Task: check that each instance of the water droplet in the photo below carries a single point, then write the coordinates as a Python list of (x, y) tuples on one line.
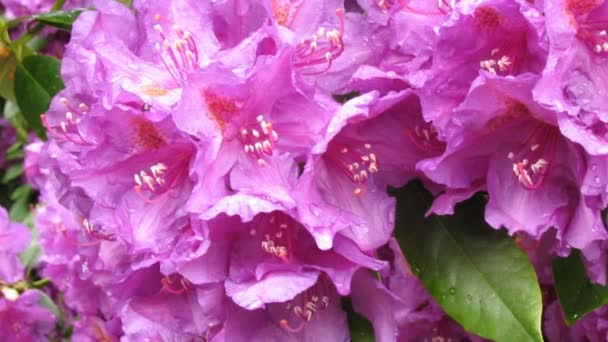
[(452, 290), (596, 179), (593, 167), (574, 316), (416, 270), (443, 297), (469, 297)]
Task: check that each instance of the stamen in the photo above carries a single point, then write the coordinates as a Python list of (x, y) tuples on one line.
[(594, 35), (280, 229), (64, 232), (532, 162), (425, 137), (321, 49), (177, 285), (497, 64), (357, 162), (307, 303), (152, 181), (68, 129), (179, 55), (259, 143)]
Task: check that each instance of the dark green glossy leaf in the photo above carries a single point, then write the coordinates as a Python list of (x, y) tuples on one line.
[(577, 295), (37, 80), (59, 19), (478, 275)]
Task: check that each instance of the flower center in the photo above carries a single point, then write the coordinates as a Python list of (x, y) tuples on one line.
[(532, 162), (153, 184), (175, 284), (279, 229), (321, 49), (595, 36), (425, 138), (179, 54), (259, 142), (357, 161), (302, 308), (498, 63), (68, 129), (99, 234), (285, 10)]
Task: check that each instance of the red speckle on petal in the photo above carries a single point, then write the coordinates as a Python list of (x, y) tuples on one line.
[(147, 137), (580, 7), (220, 108), (487, 17)]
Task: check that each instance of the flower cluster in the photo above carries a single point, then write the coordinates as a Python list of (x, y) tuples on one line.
[(218, 169)]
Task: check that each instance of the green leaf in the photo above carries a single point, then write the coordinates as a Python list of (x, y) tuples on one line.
[(48, 303), (361, 330), (12, 173), (478, 275), (60, 19), (37, 80), (7, 75), (577, 295), (20, 209), (29, 257)]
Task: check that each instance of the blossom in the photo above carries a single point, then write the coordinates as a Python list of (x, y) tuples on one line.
[(572, 82), (22, 317), (273, 258), (313, 314), (373, 141), (532, 173), (501, 38), (248, 135)]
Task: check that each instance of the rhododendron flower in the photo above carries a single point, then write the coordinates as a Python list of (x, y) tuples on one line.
[(249, 141), (273, 258), (533, 174), (373, 141), (573, 80), (22, 318), (313, 314), (496, 37)]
